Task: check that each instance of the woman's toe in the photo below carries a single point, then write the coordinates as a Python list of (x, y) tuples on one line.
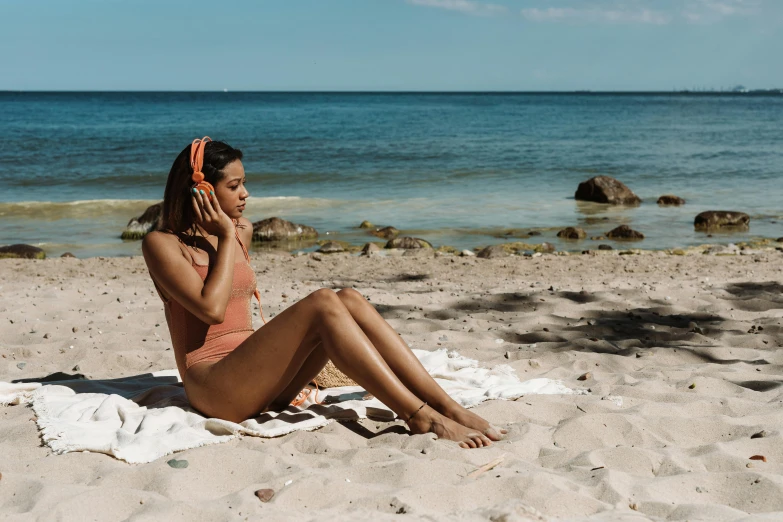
[(495, 433)]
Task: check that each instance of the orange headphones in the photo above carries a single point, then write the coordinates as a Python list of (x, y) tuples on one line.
[(197, 163)]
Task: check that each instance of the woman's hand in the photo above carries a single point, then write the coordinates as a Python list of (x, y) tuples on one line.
[(210, 216)]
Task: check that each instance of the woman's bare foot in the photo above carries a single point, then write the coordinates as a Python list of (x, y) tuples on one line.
[(470, 420), (428, 420)]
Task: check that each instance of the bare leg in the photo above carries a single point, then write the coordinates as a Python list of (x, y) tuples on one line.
[(263, 367), (407, 366)]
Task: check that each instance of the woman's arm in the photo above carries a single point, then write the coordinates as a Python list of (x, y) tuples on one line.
[(206, 299)]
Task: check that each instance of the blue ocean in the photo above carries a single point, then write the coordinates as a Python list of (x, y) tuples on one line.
[(453, 168)]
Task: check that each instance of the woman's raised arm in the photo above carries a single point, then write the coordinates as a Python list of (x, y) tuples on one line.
[(206, 299)]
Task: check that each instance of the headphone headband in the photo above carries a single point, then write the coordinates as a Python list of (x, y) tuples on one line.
[(197, 157)]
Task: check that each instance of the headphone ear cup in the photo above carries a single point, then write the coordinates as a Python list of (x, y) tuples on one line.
[(206, 187)]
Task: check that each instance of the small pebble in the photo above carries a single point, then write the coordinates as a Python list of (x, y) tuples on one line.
[(178, 464), (425, 451), (692, 386), (265, 495), (584, 376), (76, 368), (46, 336), (762, 458), (21, 365), (288, 482), (759, 435), (75, 329)]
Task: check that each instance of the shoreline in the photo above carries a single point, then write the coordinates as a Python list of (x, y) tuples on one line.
[(680, 354)]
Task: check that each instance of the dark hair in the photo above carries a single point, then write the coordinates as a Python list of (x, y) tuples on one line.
[(177, 206)]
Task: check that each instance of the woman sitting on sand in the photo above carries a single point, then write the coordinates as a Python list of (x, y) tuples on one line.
[(198, 265)]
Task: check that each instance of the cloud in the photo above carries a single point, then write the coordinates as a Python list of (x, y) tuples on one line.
[(711, 11), (612, 15), (463, 6)]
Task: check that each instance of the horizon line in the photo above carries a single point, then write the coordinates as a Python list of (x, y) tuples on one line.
[(773, 90)]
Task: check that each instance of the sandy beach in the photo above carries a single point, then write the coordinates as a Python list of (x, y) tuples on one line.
[(680, 355)]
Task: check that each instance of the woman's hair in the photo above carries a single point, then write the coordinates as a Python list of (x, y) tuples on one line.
[(177, 215)]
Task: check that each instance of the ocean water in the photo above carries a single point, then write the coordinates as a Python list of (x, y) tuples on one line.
[(455, 169)]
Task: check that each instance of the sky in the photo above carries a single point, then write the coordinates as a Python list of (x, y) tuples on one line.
[(390, 45)]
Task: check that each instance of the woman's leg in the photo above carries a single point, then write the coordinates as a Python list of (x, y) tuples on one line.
[(259, 370), (407, 366)]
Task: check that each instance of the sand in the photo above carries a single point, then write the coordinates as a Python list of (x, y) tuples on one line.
[(681, 355)]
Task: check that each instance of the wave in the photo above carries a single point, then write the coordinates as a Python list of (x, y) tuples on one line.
[(128, 208)]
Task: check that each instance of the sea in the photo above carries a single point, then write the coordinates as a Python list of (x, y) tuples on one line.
[(460, 169)]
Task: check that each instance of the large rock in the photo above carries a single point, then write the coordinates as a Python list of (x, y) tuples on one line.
[(668, 200), (713, 219), (386, 232), (603, 189), (138, 227), (22, 251), (408, 243), (624, 233), (572, 233), (276, 229)]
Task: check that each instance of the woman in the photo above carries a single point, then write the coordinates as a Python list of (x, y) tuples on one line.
[(199, 265)]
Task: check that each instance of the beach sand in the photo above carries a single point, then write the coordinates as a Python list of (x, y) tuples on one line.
[(681, 356)]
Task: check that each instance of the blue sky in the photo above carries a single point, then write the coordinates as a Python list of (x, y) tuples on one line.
[(390, 44)]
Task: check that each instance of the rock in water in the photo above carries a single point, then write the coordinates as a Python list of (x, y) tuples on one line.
[(363, 224), (386, 232), (625, 233), (138, 227), (276, 229), (265, 495), (67, 254), (494, 251), (670, 200), (572, 233), (603, 189), (331, 247), (408, 243), (605, 247), (712, 219), (22, 251)]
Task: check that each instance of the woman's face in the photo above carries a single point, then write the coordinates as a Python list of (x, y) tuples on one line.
[(230, 191)]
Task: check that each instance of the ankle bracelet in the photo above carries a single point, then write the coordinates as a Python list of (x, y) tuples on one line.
[(415, 412)]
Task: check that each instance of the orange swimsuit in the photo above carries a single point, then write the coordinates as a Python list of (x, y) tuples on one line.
[(194, 340)]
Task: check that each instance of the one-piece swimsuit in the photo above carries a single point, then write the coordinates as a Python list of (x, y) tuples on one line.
[(195, 341)]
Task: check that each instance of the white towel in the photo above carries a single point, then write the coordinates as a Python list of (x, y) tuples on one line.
[(141, 418)]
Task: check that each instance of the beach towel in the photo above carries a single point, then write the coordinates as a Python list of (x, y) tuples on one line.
[(144, 417)]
